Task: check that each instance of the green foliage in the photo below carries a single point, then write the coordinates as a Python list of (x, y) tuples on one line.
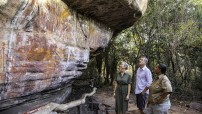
[(170, 33)]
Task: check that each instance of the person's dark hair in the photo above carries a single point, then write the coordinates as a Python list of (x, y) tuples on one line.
[(162, 67)]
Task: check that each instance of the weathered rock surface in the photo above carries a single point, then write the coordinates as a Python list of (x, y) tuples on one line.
[(116, 14), (46, 44), (196, 106)]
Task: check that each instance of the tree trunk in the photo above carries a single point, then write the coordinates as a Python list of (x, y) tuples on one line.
[(99, 61), (107, 65), (113, 68), (133, 79)]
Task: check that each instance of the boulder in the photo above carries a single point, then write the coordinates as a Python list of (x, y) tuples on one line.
[(196, 106)]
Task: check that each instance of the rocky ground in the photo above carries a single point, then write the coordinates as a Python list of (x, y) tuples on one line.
[(104, 96)]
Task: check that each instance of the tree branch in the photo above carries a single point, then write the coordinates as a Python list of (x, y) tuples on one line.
[(47, 109)]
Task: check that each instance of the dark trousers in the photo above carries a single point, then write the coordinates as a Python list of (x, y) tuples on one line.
[(141, 100)]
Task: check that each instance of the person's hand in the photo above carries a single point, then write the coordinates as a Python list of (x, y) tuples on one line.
[(127, 97), (143, 93), (114, 94)]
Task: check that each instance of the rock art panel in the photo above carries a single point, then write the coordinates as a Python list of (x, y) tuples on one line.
[(44, 45)]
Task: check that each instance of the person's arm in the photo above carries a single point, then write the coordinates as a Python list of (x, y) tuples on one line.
[(149, 81), (115, 86), (144, 91), (161, 98), (166, 85), (129, 81), (129, 88)]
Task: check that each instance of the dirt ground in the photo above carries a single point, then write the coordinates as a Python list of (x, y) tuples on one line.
[(104, 95)]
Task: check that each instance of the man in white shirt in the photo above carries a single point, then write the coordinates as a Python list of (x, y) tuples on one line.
[(143, 82)]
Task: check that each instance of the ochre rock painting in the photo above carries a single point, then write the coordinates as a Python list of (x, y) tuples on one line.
[(44, 45)]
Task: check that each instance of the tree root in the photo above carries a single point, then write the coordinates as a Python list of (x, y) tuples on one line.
[(47, 109)]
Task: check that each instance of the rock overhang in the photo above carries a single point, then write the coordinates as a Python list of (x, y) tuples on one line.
[(116, 14)]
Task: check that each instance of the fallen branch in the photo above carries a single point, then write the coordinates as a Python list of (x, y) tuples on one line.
[(47, 109)]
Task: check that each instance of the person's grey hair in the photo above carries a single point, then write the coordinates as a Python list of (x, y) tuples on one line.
[(145, 59), (125, 65)]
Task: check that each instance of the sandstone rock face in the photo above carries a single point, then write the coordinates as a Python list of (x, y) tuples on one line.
[(46, 44)]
